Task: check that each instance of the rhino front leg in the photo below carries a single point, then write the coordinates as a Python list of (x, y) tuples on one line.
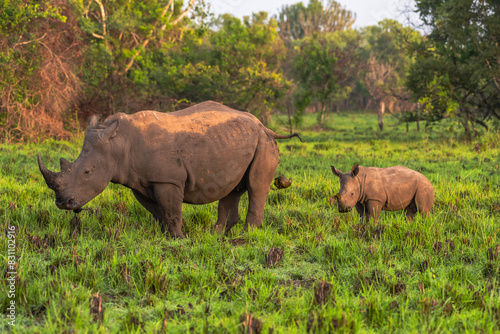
[(372, 210), (151, 206), (169, 198)]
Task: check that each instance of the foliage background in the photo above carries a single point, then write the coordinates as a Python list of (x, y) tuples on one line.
[(63, 60)]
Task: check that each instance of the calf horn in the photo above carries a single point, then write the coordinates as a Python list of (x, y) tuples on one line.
[(49, 176)]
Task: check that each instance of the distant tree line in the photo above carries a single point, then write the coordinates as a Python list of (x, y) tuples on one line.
[(63, 60)]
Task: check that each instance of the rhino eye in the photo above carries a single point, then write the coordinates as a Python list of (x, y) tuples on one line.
[(87, 171)]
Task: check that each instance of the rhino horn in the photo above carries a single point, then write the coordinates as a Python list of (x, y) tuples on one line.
[(65, 165), (49, 176)]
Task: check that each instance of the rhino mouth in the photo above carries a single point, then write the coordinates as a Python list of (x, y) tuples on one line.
[(69, 204), (344, 209)]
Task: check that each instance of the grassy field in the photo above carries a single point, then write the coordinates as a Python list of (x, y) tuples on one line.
[(327, 271)]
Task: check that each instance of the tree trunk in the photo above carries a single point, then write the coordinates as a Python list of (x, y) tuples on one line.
[(380, 114), (289, 109)]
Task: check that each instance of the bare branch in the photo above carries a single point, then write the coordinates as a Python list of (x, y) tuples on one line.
[(28, 42), (97, 35), (184, 13), (103, 16)]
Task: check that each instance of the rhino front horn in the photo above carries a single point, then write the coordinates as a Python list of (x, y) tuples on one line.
[(49, 176)]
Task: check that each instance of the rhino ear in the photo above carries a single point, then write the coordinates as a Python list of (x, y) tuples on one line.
[(355, 170), (336, 172), (110, 131)]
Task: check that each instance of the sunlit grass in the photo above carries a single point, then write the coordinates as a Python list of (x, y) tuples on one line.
[(438, 274)]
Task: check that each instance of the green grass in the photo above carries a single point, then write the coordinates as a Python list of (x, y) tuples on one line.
[(439, 274)]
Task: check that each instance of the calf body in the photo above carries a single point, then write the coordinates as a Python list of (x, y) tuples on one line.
[(371, 190), (198, 155)]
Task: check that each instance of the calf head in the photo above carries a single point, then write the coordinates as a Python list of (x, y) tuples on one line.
[(79, 182), (349, 188)]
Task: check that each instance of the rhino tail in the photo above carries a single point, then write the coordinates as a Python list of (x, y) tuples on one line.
[(277, 136)]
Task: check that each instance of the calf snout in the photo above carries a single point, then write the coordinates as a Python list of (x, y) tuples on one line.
[(342, 207)]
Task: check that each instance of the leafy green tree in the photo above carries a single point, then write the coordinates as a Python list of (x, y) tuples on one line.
[(457, 72), (327, 67), (238, 63), (118, 35), (298, 21)]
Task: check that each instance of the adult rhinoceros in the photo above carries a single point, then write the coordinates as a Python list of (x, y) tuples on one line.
[(198, 155)]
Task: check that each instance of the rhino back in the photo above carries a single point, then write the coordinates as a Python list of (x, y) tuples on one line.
[(394, 186), (206, 148)]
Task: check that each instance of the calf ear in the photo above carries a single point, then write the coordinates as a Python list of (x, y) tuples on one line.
[(355, 170), (93, 121), (336, 172), (110, 131)]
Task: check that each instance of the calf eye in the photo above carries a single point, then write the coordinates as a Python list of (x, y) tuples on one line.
[(352, 194)]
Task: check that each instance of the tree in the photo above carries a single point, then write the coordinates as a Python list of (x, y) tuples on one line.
[(297, 21), (326, 67), (119, 33), (457, 71), (238, 63)]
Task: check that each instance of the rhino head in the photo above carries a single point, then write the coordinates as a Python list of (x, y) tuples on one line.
[(79, 182), (349, 192)]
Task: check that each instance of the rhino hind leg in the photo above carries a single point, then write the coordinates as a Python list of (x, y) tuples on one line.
[(260, 176), (228, 215)]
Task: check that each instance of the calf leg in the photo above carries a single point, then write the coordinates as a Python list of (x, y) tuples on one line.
[(228, 212), (169, 197), (411, 210), (424, 198), (372, 210), (361, 210)]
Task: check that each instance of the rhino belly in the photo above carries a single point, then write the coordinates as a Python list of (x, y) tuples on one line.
[(400, 197), (216, 168)]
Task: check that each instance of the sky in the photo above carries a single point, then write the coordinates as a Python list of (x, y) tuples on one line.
[(368, 12)]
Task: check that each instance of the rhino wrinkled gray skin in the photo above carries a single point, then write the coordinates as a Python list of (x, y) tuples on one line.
[(371, 190), (198, 155)]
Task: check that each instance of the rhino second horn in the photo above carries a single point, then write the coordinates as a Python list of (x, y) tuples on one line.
[(49, 176), (65, 164)]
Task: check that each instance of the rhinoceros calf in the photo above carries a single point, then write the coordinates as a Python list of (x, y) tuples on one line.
[(371, 190), (198, 155)]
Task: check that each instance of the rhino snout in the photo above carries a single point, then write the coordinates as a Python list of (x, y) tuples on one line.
[(69, 204), (344, 209)]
